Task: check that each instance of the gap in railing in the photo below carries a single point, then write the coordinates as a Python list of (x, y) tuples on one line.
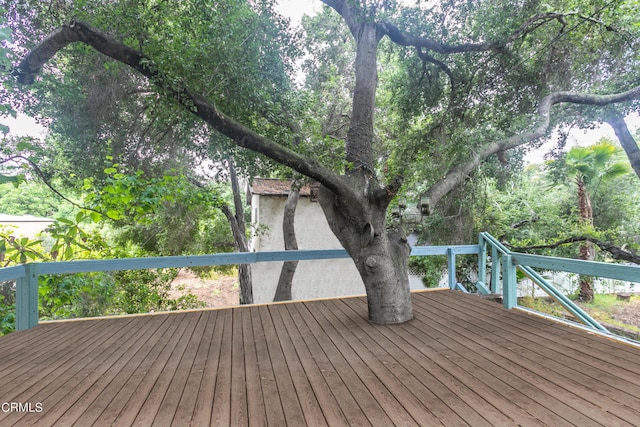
[(7, 306)]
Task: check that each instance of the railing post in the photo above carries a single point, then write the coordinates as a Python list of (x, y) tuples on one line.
[(481, 283), (509, 288), (27, 298), (451, 265), (482, 260), (495, 270)]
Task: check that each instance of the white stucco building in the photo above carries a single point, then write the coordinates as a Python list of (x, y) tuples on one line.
[(313, 279), (25, 225)]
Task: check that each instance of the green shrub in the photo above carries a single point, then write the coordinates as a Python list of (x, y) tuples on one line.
[(76, 295), (7, 316), (145, 291)]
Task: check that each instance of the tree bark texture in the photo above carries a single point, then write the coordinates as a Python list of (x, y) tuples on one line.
[(359, 148), (587, 251), (358, 219), (285, 282), (244, 270), (458, 173), (381, 256)]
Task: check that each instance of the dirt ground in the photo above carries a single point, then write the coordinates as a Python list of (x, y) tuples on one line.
[(629, 313), (221, 291)]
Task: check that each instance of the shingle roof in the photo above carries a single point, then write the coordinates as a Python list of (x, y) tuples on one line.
[(275, 187)]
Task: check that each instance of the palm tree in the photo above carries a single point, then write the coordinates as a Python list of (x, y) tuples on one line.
[(590, 166)]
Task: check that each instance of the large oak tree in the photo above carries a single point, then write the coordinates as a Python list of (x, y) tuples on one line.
[(489, 69)]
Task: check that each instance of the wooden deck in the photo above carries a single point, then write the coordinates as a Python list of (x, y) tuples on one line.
[(461, 361)]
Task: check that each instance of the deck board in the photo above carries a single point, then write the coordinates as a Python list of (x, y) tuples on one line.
[(461, 361), (139, 379), (304, 392), (593, 385), (338, 406), (341, 367), (534, 389)]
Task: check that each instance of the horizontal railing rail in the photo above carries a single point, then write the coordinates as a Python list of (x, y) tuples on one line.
[(12, 273), (26, 275), (503, 271), (630, 273)]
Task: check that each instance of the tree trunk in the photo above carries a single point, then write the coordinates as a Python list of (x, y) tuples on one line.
[(244, 270), (358, 217), (236, 221), (283, 291), (359, 144), (380, 256), (587, 251)]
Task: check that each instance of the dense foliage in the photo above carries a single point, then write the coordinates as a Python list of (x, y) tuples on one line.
[(129, 217)]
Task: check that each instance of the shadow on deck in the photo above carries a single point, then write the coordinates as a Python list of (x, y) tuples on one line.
[(461, 361)]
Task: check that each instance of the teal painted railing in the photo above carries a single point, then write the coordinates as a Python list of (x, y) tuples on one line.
[(26, 275), (502, 278), (505, 262)]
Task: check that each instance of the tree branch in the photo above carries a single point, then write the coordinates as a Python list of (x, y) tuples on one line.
[(46, 182), (425, 57), (244, 137), (407, 39), (456, 175), (629, 144), (615, 251)]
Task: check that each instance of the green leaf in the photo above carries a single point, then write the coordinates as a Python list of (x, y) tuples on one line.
[(95, 216), (6, 34)]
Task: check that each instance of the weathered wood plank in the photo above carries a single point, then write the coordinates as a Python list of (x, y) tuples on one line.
[(273, 405), (288, 396), (561, 355), (398, 381), (169, 405), (203, 400), (329, 407), (187, 402), (255, 400), (50, 356), (380, 382), (127, 403), (348, 403), (165, 372), (456, 387), (239, 405), (460, 361), (51, 381), (106, 394), (221, 402), (409, 371), (306, 397), (535, 376), (508, 392), (91, 404), (83, 380), (324, 333), (569, 339)]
